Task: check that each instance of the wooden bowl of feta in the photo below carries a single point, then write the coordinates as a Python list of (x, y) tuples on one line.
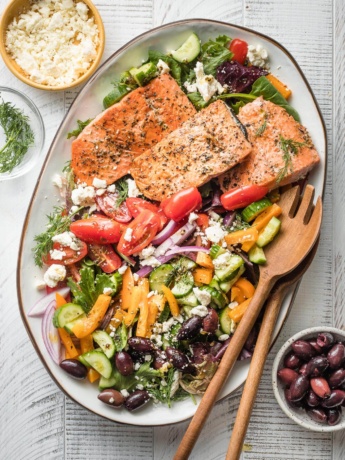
[(52, 45)]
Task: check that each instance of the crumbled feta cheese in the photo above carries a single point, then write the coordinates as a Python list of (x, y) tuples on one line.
[(257, 55), (112, 334), (214, 232), (57, 181), (151, 261), (99, 183), (111, 400), (151, 293), (233, 305), (162, 67), (54, 274), (83, 195), (124, 393), (222, 260), (74, 209), (107, 291), (55, 254), (233, 326), (128, 234), (147, 252), (164, 383), (168, 324), (148, 358), (223, 337), (133, 190), (136, 366), (111, 188), (40, 284), (67, 239), (203, 296), (135, 277), (54, 42), (190, 87), (175, 383), (207, 85), (200, 310), (122, 269), (214, 215), (192, 217), (157, 338), (100, 191), (140, 386), (157, 328)]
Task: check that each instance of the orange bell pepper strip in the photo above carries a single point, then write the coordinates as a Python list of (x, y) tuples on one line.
[(115, 321), (246, 287), (85, 326), (262, 220), (174, 308), (134, 306), (236, 314), (237, 295), (242, 236), (279, 86), (143, 308), (153, 313), (204, 260), (66, 339), (127, 288), (60, 300), (202, 276), (86, 344)]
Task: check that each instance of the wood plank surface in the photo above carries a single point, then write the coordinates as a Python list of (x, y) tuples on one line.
[(36, 420)]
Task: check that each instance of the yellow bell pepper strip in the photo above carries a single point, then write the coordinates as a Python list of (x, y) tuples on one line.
[(153, 313), (237, 295), (204, 260), (174, 308), (242, 236), (66, 339), (60, 300), (85, 326), (236, 314), (247, 246), (115, 321), (127, 288), (262, 220), (202, 276), (279, 86), (134, 306), (86, 344), (246, 287), (143, 308)]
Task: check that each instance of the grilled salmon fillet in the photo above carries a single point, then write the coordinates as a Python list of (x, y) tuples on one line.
[(203, 147), (107, 146), (283, 151)]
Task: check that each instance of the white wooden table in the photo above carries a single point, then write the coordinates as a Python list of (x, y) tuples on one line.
[(36, 420)]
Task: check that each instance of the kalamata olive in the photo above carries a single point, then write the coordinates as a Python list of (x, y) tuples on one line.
[(312, 399), (179, 360), (287, 376), (199, 351), (303, 369), (303, 349), (316, 347), (320, 386), (325, 340), (251, 340), (222, 350), (299, 387), (210, 322), (111, 397), (136, 400), (159, 360), (336, 398), (336, 356), (334, 416), (107, 318), (190, 328), (317, 366), (292, 361), (337, 378), (124, 363), (317, 414), (74, 368), (140, 344), (287, 393)]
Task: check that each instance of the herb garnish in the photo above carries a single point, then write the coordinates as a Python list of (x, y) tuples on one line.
[(58, 222), (261, 129), (122, 189), (289, 147), (81, 126), (18, 133)]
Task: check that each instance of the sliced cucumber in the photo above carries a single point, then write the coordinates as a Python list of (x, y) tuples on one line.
[(107, 383), (116, 278), (189, 300), (183, 285), (184, 262), (162, 275), (66, 313), (257, 255), (69, 326), (217, 297), (225, 286), (164, 314), (230, 270), (189, 50), (106, 343), (253, 210), (82, 360), (144, 74), (269, 232), (98, 361), (216, 251), (225, 321)]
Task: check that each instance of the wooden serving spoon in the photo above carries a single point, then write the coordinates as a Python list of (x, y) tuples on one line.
[(298, 234), (261, 350)]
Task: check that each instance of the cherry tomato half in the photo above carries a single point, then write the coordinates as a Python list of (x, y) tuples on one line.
[(241, 197), (240, 49), (182, 203), (137, 205), (97, 230), (108, 204), (105, 257), (143, 229), (70, 255)]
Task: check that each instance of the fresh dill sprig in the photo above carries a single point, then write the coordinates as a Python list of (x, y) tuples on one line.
[(58, 222), (122, 190), (18, 133), (289, 147), (261, 129), (162, 393), (79, 129)]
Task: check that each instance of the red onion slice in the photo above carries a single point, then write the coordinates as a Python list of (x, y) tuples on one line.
[(176, 239), (167, 231), (183, 249), (41, 305), (147, 269), (50, 334)]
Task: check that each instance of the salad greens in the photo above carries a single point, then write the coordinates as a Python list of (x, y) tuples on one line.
[(214, 53), (79, 129)]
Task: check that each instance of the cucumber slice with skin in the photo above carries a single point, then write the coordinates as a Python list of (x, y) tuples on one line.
[(189, 300), (225, 286), (144, 74), (225, 321), (106, 343), (82, 360), (188, 51), (229, 271), (98, 361), (217, 297), (106, 383), (253, 210), (183, 285), (269, 232), (257, 255), (216, 251), (161, 275), (67, 313), (69, 326), (184, 262)]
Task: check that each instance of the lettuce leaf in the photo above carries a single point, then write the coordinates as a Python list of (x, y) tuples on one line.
[(214, 53)]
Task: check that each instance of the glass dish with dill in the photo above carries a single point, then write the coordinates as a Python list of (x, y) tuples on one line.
[(21, 134)]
